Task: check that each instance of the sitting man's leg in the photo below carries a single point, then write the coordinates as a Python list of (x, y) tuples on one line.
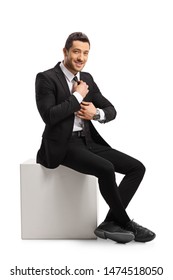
[(81, 159), (134, 171), (103, 162)]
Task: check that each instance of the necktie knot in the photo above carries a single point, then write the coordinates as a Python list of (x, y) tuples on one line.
[(75, 79)]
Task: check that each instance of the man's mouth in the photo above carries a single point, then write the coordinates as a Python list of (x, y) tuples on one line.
[(79, 63)]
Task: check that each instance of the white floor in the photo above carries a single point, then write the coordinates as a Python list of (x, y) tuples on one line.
[(88, 254)]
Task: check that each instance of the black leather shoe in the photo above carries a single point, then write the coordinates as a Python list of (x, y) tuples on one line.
[(141, 234), (114, 232)]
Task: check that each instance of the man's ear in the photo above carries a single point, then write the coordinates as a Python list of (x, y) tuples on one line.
[(65, 52)]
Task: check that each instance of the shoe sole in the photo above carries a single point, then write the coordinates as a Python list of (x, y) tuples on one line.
[(119, 237)]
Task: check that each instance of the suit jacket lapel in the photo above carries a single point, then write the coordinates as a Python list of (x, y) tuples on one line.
[(62, 78), (83, 78), (63, 81)]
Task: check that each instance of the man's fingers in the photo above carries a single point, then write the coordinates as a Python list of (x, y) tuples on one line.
[(80, 113), (84, 103), (81, 116), (83, 107)]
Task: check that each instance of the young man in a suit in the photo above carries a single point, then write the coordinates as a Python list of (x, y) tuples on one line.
[(68, 99)]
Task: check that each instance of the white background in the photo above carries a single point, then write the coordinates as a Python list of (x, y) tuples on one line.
[(131, 60)]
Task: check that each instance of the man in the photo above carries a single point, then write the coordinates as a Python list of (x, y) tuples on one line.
[(68, 100)]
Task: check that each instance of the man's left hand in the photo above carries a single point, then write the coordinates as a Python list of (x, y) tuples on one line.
[(87, 111)]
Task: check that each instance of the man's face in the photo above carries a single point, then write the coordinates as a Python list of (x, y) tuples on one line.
[(76, 57)]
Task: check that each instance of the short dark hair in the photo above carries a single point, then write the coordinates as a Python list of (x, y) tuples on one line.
[(76, 36)]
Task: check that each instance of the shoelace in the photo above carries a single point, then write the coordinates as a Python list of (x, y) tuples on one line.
[(136, 226)]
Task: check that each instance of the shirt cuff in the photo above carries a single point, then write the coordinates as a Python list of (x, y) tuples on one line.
[(102, 115), (78, 96)]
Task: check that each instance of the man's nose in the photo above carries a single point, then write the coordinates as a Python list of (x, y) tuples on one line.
[(81, 56)]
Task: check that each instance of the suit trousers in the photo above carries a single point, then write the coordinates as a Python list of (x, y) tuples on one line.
[(103, 162)]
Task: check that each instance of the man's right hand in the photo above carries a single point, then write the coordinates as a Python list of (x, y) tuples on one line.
[(81, 87)]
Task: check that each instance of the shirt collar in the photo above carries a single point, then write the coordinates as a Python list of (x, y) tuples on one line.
[(68, 74)]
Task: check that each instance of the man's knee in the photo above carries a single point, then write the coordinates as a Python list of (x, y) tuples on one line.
[(141, 168)]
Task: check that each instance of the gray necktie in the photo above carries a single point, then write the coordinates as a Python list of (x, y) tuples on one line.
[(86, 128), (75, 79)]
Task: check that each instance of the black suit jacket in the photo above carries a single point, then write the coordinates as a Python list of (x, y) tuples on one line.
[(57, 106)]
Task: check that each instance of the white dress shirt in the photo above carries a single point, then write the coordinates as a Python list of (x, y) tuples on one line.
[(78, 123)]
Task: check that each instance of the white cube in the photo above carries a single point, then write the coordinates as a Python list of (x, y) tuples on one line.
[(57, 203)]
